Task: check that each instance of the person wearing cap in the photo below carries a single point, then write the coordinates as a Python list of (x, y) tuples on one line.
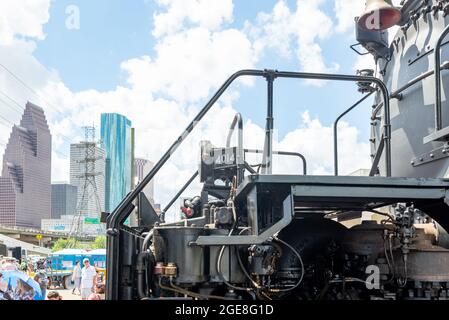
[(88, 279)]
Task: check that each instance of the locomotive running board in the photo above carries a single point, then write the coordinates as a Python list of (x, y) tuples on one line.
[(320, 194)]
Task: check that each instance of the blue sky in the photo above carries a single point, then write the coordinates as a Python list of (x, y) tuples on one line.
[(158, 62), (113, 31)]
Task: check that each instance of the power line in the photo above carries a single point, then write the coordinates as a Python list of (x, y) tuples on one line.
[(11, 123), (8, 105), (36, 93), (22, 109), (4, 119), (12, 100), (28, 87), (68, 140)]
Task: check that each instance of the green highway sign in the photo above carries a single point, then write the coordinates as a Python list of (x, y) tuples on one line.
[(91, 220)]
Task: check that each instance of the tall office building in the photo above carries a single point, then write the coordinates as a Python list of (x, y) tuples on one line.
[(91, 204), (63, 200), (116, 140), (25, 184), (141, 168)]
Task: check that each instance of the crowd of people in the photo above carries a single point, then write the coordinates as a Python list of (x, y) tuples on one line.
[(85, 280)]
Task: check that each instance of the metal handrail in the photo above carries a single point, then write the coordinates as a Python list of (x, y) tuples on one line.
[(284, 153), (239, 157), (124, 209), (398, 93), (336, 129), (437, 56)]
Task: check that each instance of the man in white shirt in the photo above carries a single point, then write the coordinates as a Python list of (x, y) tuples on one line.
[(88, 279)]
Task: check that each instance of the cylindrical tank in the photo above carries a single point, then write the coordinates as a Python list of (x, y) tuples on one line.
[(172, 245), (230, 267)]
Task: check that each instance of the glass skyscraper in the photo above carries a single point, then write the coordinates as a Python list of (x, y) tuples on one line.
[(117, 143)]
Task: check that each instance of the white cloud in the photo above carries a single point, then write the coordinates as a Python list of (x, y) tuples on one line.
[(315, 142), (22, 18), (209, 14), (298, 31), (346, 11), (191, 62), (164, 92), (364, 62)]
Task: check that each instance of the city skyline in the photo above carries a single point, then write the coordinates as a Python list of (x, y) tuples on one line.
[(28, 155), (157, 75)]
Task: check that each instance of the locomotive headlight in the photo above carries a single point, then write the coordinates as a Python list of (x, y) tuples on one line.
[(379, 15)]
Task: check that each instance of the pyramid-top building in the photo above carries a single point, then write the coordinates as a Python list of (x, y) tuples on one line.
[(25, 182)]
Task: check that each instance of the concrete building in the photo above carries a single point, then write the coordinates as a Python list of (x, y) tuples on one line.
[(141, 168), (25, 183), (63, 199), (77, 171), (116, 140)]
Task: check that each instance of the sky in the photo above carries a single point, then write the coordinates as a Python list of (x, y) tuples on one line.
[(159, 61)]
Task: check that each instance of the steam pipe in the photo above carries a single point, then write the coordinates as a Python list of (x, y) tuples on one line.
[(140, 270)]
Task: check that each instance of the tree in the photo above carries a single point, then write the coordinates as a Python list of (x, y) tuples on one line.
[(64, 244), (99, 243)]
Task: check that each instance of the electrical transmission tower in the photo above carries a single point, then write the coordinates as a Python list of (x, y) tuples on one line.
[(89, 189)]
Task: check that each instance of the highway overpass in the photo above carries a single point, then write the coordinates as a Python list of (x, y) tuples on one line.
[(38, 237)]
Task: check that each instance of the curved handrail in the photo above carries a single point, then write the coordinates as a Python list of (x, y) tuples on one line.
[(336, 129), (240, 159), (237, 120), (437, 56), (124, 209), (284, 153)]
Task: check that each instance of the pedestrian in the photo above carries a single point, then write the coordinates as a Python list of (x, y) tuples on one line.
[(42, 279), (88, 279), (76, 277), (54, 295)]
